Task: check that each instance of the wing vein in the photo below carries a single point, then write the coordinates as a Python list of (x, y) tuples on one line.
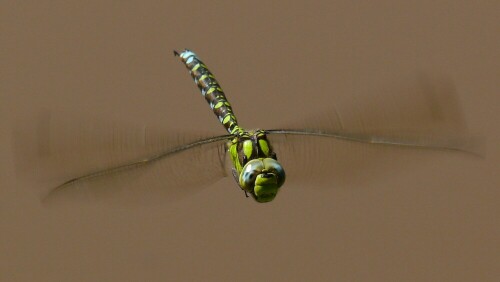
[(139, 163), (373, 139)]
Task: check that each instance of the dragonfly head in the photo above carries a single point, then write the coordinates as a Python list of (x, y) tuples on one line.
[(262, 178)]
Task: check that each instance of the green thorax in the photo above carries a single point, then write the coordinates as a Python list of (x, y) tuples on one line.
[(247, 146)]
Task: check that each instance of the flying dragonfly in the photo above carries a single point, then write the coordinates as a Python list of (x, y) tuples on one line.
[(255, 165)]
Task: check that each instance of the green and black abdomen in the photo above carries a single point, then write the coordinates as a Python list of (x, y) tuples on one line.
[(211, 90)]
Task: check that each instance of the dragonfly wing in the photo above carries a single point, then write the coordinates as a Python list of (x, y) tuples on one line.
[(95, 160), (383, 133), (431, 142), (318, 161)]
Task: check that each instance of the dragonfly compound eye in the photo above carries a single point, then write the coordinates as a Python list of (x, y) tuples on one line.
[(249, 173), (263, 178)]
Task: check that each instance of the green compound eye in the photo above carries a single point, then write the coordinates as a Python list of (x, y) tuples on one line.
[(250, 172), (262, 169)]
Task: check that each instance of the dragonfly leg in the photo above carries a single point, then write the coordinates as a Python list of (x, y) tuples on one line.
[(273, 156), (235, 175)]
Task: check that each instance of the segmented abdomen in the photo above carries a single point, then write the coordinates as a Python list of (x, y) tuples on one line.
[(211, 90)]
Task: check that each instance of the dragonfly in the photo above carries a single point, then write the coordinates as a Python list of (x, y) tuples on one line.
[(255, 164)]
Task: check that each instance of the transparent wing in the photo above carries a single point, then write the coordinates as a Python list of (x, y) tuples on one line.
[(68, 157), (393, 129), (463, 144)]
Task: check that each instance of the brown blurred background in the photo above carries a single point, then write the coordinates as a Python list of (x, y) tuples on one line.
[(434, 219)]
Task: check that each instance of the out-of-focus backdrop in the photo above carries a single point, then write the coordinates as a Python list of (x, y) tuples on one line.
[(348, 213)]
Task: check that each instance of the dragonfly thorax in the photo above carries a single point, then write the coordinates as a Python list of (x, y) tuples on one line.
[(249, 145)]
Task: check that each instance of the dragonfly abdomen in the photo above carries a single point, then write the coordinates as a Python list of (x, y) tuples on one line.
[(211, 90)]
